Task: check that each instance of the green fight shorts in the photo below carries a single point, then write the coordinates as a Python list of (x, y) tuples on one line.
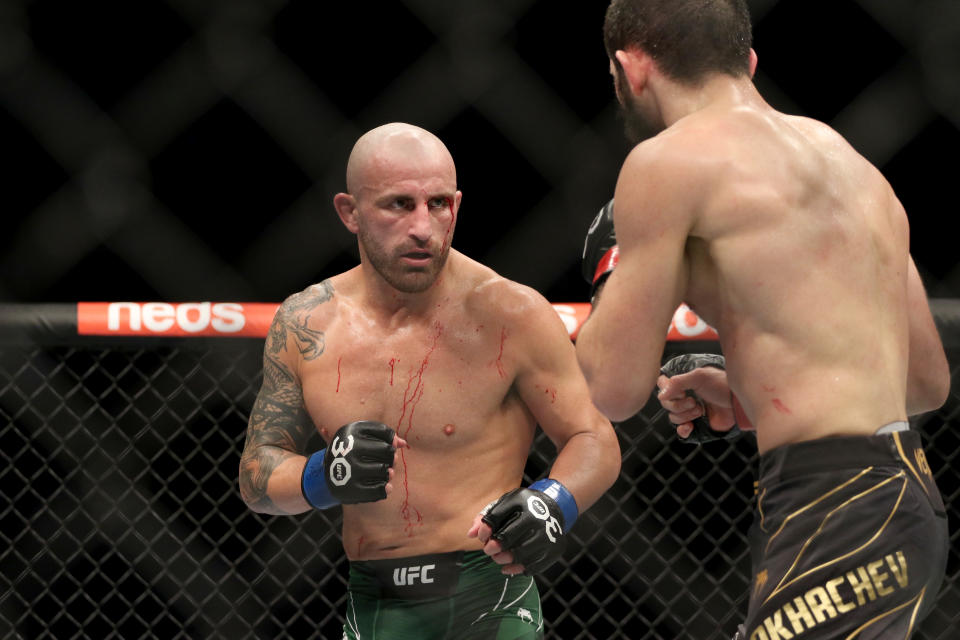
[(447, 596), (849, 541)]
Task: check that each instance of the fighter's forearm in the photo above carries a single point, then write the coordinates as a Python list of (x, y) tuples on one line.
[(617, 388), (270, 480), (587, 465)]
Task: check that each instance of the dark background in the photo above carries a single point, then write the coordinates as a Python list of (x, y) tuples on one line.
[(190, 149)]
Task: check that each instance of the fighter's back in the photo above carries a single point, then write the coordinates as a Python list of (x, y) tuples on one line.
[(798, 255)]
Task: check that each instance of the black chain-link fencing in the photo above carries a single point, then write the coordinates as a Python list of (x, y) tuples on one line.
[(121, 516)]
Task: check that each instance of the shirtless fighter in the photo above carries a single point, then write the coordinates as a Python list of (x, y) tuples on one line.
[(796, 250), (426, 374)]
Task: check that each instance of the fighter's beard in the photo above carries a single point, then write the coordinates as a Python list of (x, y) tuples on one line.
[(403, 279), (635, 126)]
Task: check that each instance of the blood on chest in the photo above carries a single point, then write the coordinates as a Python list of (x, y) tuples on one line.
[(435, 391)]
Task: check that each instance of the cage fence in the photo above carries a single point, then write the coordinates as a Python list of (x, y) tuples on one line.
[(121, 516)]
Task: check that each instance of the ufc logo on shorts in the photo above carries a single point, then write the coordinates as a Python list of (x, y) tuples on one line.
[(540, 511), (409, 575)]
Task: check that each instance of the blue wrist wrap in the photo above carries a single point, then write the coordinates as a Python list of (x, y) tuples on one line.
[(313, 483), (562, 496)]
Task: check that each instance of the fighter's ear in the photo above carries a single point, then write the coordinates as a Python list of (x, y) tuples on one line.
[(636, 66), (753, 62), (346, 206)]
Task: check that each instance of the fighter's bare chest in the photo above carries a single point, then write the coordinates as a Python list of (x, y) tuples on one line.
[(431, 378)]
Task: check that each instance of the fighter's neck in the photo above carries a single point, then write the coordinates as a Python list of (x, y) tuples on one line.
[(393, 307), (721, 91)]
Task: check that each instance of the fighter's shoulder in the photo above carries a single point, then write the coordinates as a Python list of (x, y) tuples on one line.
[(661, 186), (302, 317), (316, 301), (819, 132), (674, 162), (509, 303)]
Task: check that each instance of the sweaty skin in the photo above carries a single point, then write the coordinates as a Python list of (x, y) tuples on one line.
[(461, 362), (787, 241)]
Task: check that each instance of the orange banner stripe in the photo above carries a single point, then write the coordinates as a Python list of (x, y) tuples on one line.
[(252, 319)]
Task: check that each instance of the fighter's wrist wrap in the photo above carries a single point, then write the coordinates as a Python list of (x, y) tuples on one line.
[(702, 432), (354, 468), (530, 524), (562, 496), (313, 483)]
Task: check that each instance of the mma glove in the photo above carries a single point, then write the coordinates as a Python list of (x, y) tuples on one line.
[(600, 251), (531, 522), (354, 468), (702, 432)]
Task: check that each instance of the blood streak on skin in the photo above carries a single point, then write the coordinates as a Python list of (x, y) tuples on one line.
[(338, 374), (411, 396), (453, 219), (779, 406), (393, 361), (503, 338)]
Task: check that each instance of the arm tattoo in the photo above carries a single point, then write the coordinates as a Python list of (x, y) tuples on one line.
[(279, 426), (293, 318)]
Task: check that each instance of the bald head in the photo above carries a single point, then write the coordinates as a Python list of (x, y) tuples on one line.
[(393, 149), (402, 204)]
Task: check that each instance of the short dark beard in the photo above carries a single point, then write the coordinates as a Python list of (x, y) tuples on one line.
[(402, 280), (635, 126)]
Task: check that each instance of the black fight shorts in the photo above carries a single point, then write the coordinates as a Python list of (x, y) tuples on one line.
[(849, 539)]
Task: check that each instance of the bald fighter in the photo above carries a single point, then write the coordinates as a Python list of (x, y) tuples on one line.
[(796, 249), (426, 374)]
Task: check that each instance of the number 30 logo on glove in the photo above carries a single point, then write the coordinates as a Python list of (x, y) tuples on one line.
[(540, 511), (339, 467)]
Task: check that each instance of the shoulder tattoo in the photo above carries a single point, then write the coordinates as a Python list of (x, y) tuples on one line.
[(293, 318)]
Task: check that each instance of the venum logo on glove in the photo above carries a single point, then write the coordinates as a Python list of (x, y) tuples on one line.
[(339, 467)]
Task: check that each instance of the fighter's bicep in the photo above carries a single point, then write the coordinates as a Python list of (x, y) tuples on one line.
[(655, 209), (549, 380), (622, 342), (278, 417)]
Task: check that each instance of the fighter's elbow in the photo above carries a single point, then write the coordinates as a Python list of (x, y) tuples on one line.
[(930, 391), (254, 496), (612, 455), (616, 404), (252, 505), (247, 494), (619, 396), (939, 390)]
